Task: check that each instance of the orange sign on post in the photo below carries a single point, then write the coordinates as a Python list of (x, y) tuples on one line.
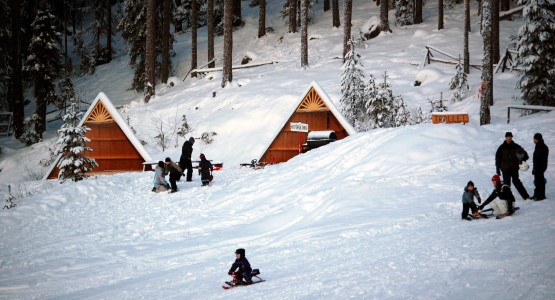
[(449, 117)]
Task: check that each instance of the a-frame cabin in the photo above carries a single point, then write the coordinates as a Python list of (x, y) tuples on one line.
[(314, 108), (115, 147)]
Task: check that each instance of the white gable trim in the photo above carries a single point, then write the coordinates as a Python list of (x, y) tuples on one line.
[(327, 100), (118, 119)]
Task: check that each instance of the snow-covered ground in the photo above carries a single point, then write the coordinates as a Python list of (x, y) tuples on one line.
[(373, 216)]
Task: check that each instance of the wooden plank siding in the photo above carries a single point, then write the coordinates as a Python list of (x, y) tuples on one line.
[(318, 117)]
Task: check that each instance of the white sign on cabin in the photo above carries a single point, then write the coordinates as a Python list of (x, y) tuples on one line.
[(299, 127)]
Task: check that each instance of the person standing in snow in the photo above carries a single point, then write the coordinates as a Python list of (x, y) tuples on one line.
[(507, 160), (160, 183), (539, 159), (185, 159), (468, 201), (241, 268), (175, 172), (504, 205), (205, 169)]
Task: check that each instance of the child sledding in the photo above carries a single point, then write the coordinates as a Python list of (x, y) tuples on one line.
[(241, 271), (504, 205)]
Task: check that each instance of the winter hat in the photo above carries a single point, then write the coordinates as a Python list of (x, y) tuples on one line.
[(508, 133), (496, 179), (192, 140), (470, 183), (240, 251), (538, 136), (168, 159), (202, 156), (161, 164)]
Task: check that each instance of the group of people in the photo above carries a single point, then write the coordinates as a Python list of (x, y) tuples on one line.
[(176, 170), (509, 159)]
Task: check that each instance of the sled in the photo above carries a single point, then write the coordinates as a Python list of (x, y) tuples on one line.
[(236, 282)]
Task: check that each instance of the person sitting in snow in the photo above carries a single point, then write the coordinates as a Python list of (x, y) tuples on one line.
[(468, 201), (160, 183), (175, 173), (241, 268), (205, 170), (504, 205)]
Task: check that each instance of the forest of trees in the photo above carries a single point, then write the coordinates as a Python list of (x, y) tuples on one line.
[(34, 38)]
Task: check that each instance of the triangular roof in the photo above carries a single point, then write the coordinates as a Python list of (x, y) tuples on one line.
[(102, 109), (317, 101)]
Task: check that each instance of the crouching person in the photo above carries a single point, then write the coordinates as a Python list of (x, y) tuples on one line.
[(205, 170), (468, 201), (175, 173), (160, 183), (504, 205)]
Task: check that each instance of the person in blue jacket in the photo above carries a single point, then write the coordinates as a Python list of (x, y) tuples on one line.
[(468, 201), (241, 268)]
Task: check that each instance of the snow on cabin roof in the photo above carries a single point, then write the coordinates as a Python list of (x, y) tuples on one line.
[(118, 119), (329, 103)]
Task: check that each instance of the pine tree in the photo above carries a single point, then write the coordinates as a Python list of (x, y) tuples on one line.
[(67, 92), (402, 115), (304, 34), (536, 52), (382, 108), (30, 135), (458, 83), (43, 60), (71, 144), (352, 86), (370, 94), (404, 12), (347, 16), (227, 73)]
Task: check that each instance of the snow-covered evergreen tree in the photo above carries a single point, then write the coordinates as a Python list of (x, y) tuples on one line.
[(67, 92), (382, 108), (352, 86), (402, 114), (437, 105), (536, 52), (43, 61), (459, 83), (404, 12), (71, 144), (30, 136)]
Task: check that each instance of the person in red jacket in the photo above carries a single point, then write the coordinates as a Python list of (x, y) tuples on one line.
[(241, 268)]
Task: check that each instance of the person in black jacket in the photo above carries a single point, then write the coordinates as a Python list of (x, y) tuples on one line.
[(502, 191), (539, 159), (185, 159), (507, 160), (205, 169), (241, 268)]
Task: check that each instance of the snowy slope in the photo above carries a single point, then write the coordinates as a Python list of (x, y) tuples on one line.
[(374, 216)]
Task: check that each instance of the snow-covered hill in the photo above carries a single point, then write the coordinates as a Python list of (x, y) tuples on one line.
[(373, 216)]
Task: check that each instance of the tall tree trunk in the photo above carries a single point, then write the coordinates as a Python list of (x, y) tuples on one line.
[(304, 34), (418, 11), (384, 16), (227, 76), (165, 67), (150, 57), (495, 29), (178, 23), (109, 31), (487, 64), (347, 15), (66, 17), (261, 18), (335, 7), (293, 16), (73, 15), (505, 5), (194, 25), (466, 54), (326, 5), (440, 15), (237, 9), (15, 92), (210, 25)]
